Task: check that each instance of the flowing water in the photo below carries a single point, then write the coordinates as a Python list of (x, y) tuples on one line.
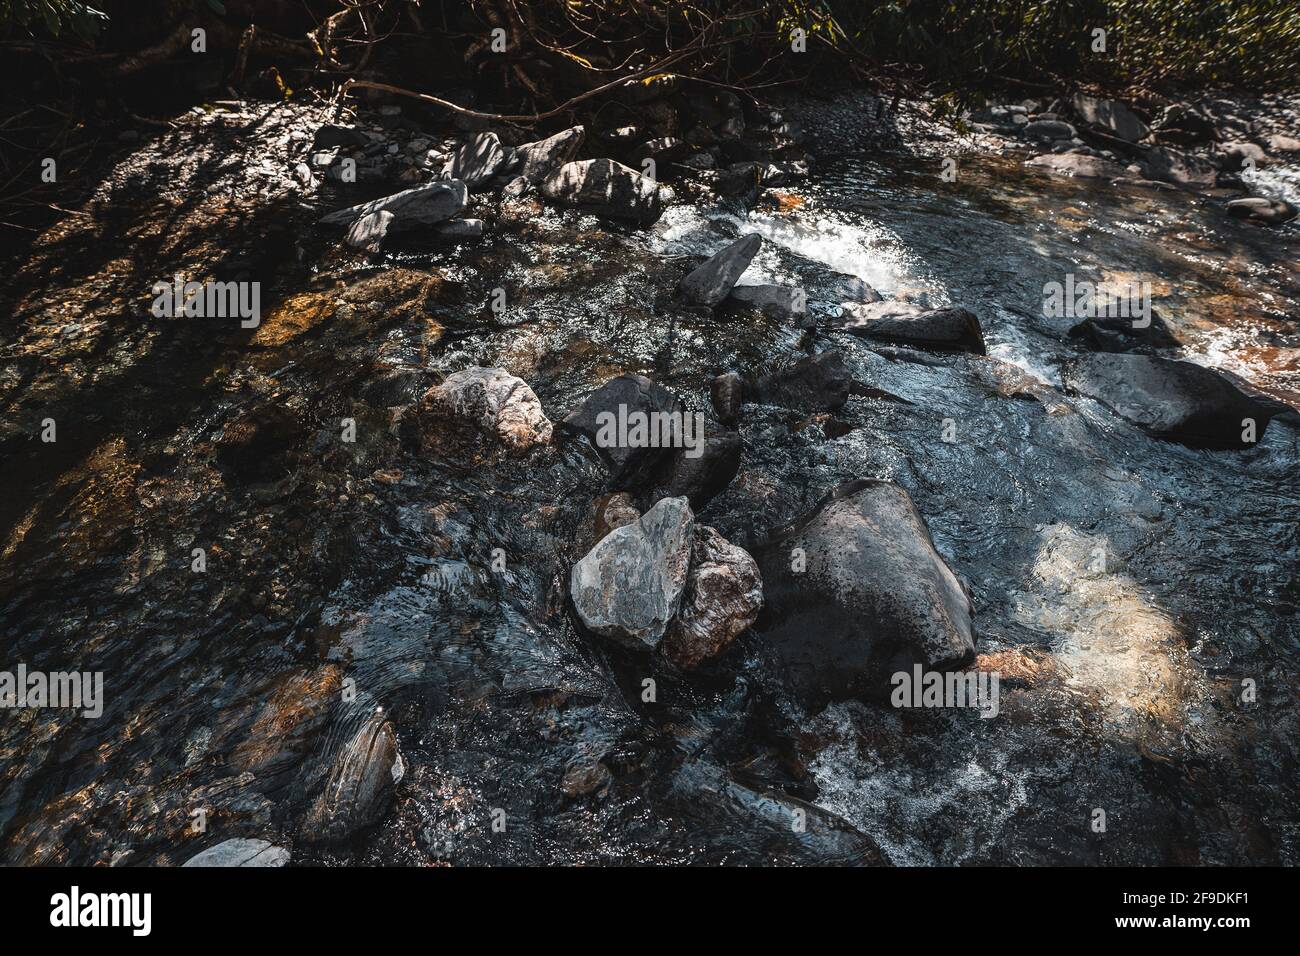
[(1124, 587)]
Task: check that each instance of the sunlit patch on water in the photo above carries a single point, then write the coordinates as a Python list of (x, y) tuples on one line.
[(1111, 636)]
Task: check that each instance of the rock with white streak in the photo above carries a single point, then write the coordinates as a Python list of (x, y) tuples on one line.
[(240, 852), (630, 585)]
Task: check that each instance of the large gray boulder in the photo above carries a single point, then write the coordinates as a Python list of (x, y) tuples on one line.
[(938, 330), (855, 592), (1110, 116), (360, 784), (629, 586), (420, 206), (724, 593), (537, 160), (493, 401), (240, 852), (605, 188), (476, 161), (1176, 401), (711, 281)]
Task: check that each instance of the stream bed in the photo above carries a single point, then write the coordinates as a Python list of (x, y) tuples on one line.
[(1124, 587)]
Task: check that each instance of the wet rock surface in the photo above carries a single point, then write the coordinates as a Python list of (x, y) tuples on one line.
[(360, 783), (855, 592), (1179, 401)]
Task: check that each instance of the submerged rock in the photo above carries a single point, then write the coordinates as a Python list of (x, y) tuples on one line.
[(629, 586), (1269, 212), (617, 399), (777, 301), (493, 401), (539, 159), (711, 281), (1076, 164), (1118, 334), (815, 383), (724, 593), (420, 206), (360, 783), (940, 330), (1177, 401), (606, 188), (727, 392), (855, 591), (240, 852)]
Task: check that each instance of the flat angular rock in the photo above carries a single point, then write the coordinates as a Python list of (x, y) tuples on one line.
[(1111, 116), (493, 401), (420, 206), (605, 188), (938, 330), (623, 395), (629, 586), (711, 281), (476, 161), (1176, 401), (724, 593), (240, 852), (815, 383), (331, 136), (855, 591), (539, 159), (360, 784)]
